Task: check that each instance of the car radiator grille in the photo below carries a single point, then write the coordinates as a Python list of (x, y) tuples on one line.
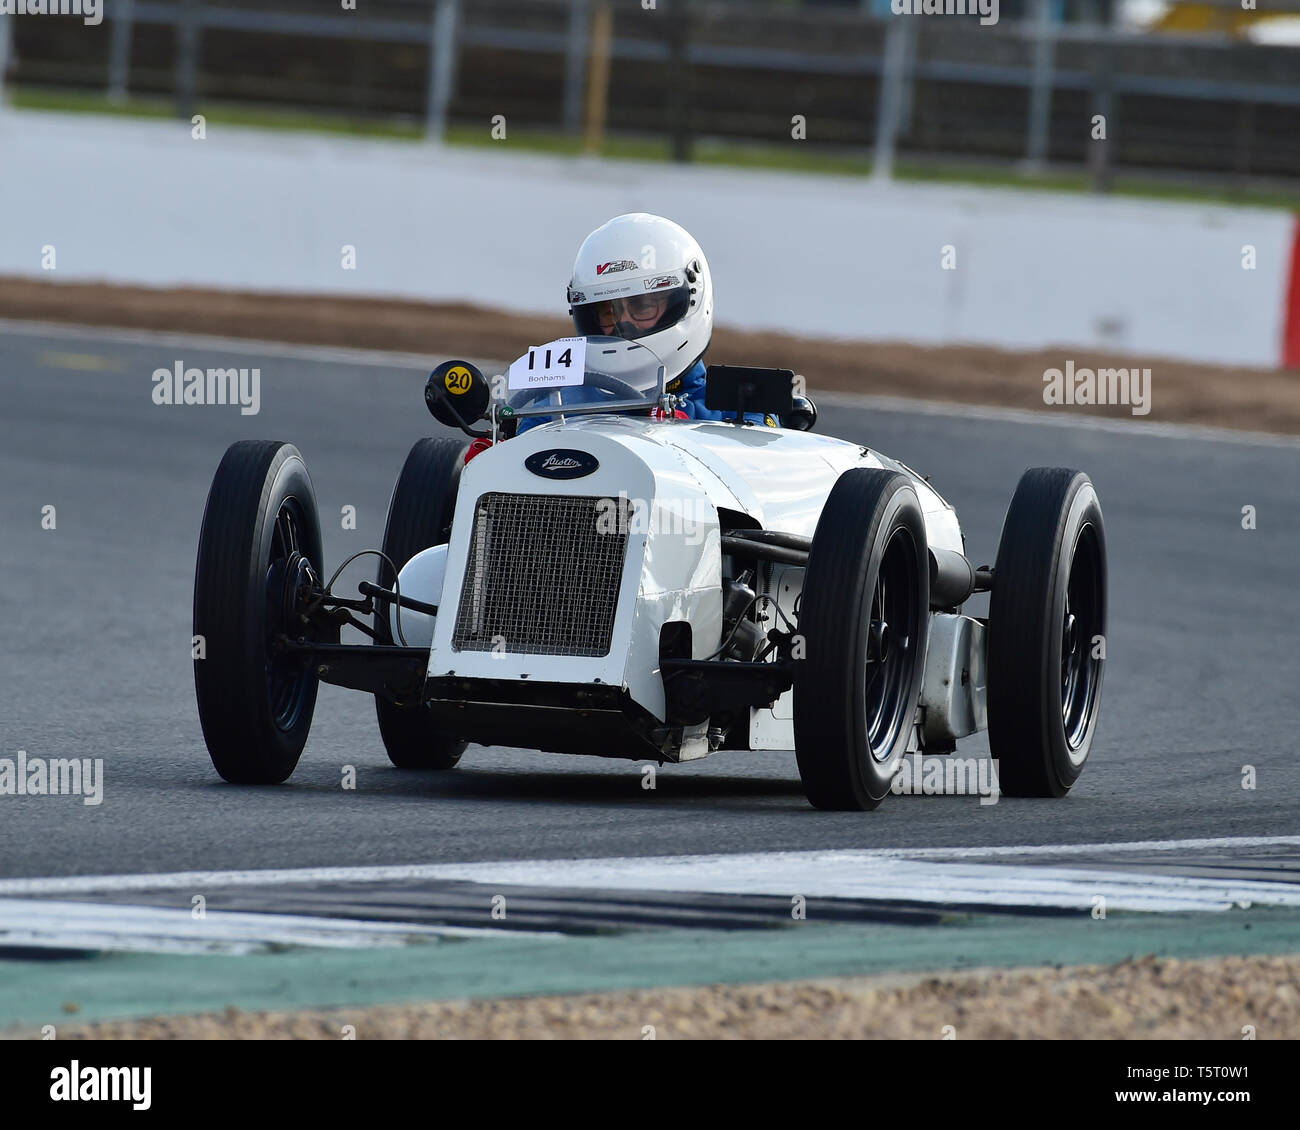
[(543, 575)]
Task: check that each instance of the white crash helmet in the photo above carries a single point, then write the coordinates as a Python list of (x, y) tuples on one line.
[(645, 278)]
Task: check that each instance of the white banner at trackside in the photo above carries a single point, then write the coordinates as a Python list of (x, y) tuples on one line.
[(145, 202)]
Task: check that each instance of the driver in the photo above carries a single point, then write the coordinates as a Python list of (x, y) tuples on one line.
[(631, 317), (644, 278)]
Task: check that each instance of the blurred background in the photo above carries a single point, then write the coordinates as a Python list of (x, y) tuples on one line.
[(1197, 96), (1120, 176), (902, 209)]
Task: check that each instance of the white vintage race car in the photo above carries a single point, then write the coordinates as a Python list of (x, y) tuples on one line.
[(619, 581)]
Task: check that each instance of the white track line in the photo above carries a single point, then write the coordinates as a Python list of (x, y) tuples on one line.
[(108, 926), (333, 354), (198, 881), (850, 875), (378, 358), (1134, 428)]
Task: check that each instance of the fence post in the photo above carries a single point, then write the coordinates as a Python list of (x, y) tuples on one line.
[(893, 75), (679, 78), (602, 34), (1040, 92), (187, 58), (575, 64), (119, 51), (881, 8), (1100, 159), (442, 68), (4, 62)]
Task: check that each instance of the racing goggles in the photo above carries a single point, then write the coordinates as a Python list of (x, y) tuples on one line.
[(634, 315)]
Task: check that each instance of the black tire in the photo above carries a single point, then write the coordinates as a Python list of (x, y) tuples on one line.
[(419, 515), (260, 542), (856, 689), (1047, 610)]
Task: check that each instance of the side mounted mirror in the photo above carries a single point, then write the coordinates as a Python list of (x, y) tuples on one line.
[(457, 394), (741, 389), (802, 417)]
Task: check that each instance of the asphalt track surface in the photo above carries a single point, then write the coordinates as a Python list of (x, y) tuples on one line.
[(1201, 679)]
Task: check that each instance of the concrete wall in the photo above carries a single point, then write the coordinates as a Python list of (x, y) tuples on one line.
[(143, 202)]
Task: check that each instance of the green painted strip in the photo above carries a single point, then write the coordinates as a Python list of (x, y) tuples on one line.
[(34, 993)]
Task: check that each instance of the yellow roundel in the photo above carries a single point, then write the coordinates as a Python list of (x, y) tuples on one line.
[(458, 380)]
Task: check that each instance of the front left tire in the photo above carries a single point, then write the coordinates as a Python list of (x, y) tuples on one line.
[(863, 620)]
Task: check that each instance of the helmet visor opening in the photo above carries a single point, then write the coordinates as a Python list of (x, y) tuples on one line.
[(633, 316)]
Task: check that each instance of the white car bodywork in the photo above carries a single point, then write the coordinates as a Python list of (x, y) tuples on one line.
[(677, 475)]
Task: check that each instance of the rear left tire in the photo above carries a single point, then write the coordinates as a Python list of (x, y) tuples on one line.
[(1046, 633), (419, 515)]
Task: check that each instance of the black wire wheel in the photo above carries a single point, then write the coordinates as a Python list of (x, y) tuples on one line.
[(1046, 633), (419, 516), (259, 557), (863, 619)]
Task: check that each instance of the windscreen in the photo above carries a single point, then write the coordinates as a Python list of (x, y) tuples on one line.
[(584, 374)]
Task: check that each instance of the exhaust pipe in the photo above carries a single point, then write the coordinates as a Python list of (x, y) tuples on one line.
[(952, 578)]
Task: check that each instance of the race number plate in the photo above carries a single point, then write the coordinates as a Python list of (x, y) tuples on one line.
[(458, 380), (554, 365)]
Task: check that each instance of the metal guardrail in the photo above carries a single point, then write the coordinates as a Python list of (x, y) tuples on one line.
[(446, 29), (194, 14)]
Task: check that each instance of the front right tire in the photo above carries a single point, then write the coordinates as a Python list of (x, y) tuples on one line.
[(259, 555)]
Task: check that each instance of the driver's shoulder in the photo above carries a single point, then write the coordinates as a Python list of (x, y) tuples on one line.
[(691, 381)]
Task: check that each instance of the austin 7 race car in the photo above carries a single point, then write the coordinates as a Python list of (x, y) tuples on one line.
[(618, 581)]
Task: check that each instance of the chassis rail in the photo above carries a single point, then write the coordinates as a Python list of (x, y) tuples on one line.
[(396, 673)]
